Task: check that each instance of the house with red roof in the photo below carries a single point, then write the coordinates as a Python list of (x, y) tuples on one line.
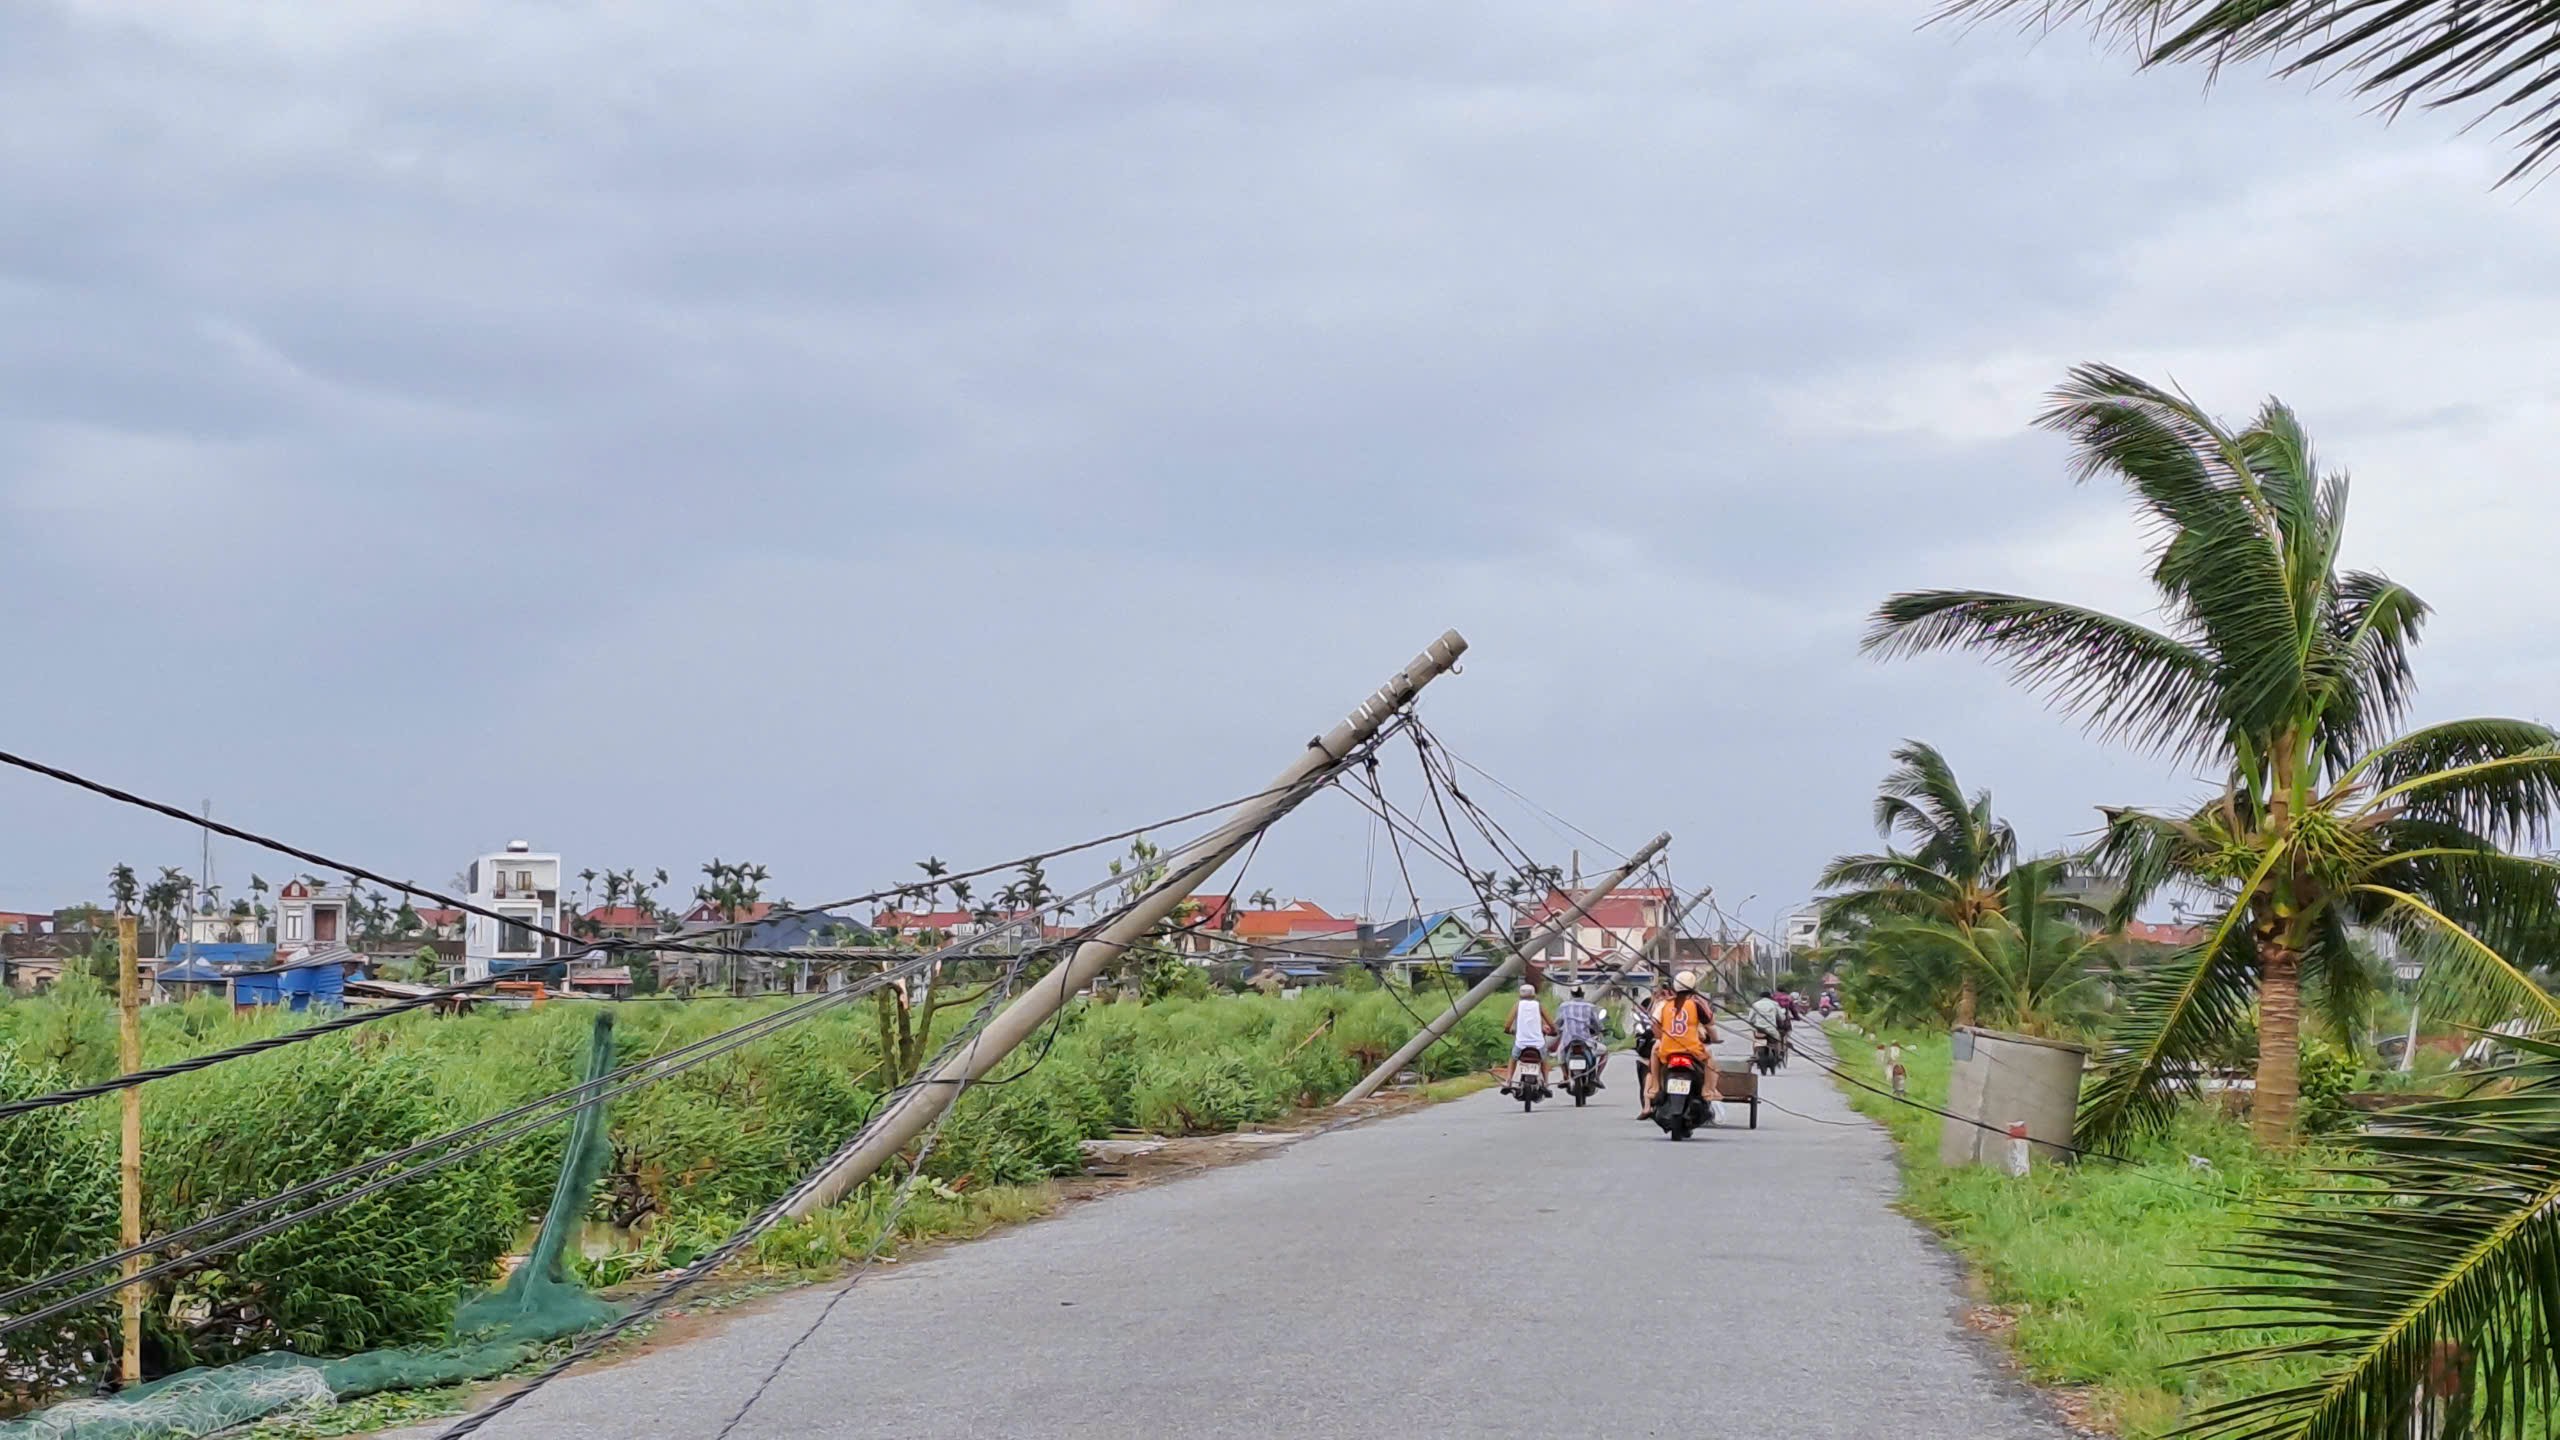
[(1298, 920), (707, 913), (939, 927), (2175, 936), (441, 924), (1615, 931), (612, 922)]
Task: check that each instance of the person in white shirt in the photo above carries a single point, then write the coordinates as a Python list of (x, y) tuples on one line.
[(1530, 1029), (1767, 1018)]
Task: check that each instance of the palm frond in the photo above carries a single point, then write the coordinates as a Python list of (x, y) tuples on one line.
[(2147, 852), (2474, 918), (2442, 1243), (2124, 681), (2341, 980), (2509, 800), (2451, 745), (2494, 58), (1922, 777), (2169, 1018), (2364, 680), (1921, 798), (1875, 872), (2227, 563)]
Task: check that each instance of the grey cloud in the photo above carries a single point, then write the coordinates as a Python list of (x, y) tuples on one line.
[(955, 427)]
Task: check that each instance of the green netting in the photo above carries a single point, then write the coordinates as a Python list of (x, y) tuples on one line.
[(492, 1333)]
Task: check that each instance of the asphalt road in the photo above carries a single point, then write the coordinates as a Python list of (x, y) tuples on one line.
[(1465, 1269)]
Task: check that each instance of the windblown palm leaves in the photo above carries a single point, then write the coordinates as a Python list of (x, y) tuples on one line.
[(2436, 1266), (2031, 964), (2499, 58), (2363, 851), (2287, 674), (1952, 874)]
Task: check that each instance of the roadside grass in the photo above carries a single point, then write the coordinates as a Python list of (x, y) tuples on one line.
[(1460, 1086), (2085, 1260)]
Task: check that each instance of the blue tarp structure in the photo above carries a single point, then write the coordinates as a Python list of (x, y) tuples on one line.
[(216, 960), (316, 980)]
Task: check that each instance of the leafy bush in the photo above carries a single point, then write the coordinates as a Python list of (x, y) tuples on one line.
[(1009, 1136), (2327, 1075), (385, 1270), (58, 1190), (71, 1030)]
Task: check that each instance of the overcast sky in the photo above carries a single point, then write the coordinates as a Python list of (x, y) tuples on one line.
[(836, 433)]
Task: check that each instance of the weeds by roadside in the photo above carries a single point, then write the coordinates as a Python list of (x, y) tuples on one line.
[(2081, 1262)]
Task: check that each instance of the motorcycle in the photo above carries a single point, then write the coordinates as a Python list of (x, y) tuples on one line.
[(1528, 1079), (1766, 1053), (1786, 1027), (1680, 1102), (1581, 1072)]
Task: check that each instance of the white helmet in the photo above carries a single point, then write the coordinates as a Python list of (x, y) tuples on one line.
[(1685, 980), (1528, 991)]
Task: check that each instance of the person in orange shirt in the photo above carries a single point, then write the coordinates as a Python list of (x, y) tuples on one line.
[(1683, 1025)]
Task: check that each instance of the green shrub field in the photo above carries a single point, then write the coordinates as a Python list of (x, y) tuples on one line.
[(692, 1156)]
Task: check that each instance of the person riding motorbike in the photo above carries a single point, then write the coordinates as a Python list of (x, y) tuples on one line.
[(1530, 1029), (1769, 1018), (1640, 1028), (1684, 1025), (1579, 1019), (1765, 1012)]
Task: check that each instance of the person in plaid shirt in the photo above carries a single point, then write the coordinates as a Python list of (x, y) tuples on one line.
[(1579, 1018)]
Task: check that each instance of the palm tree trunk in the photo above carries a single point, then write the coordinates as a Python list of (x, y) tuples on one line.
[(2279, 1046), (1965, 1001)]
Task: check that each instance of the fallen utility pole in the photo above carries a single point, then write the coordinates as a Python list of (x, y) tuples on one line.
[(1183, 872), (1502, 973)]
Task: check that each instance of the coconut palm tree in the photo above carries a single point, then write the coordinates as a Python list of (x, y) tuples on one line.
[(2496, 57), (166, 899), (2286, 674), (124, 891), (1954, 874), (2033, 960)]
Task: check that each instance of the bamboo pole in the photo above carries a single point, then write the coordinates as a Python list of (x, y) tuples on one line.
[(129, 1028)]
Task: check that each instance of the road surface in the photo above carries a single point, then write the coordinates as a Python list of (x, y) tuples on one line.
[(1464, 1269)]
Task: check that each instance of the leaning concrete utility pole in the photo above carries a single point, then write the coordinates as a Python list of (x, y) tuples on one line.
[(1670, 936), (1502, 973), (1183, 871)]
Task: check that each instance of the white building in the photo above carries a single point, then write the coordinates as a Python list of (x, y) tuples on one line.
[(311, 918), (1804, 930), (214, 927), (523, 886)]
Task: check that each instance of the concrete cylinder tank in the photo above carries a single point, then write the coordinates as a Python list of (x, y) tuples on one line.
[(1999, 1079)]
